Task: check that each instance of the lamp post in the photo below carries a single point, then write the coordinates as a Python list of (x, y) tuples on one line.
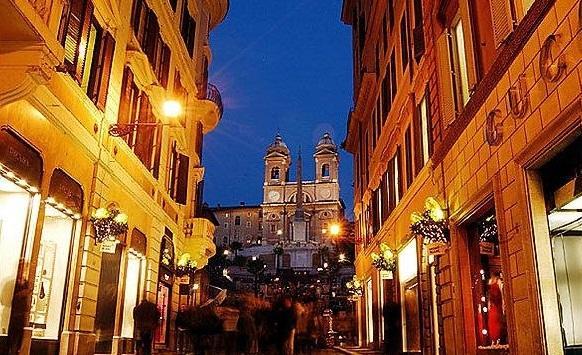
[(170, 108)]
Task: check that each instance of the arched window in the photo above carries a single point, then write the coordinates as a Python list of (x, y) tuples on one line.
[(325, 170), (275, 173)]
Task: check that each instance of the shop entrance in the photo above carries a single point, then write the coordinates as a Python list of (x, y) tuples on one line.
[(562, 189)]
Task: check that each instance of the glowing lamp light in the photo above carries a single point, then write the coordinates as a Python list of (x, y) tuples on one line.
[(172, 108), (342, 257), (226, 252), (484, 331), (334, 229), (195, 287), (279, 232)]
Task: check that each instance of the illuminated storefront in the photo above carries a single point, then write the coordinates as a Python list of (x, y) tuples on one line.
[(409, 296), (164, 293), (133, 287), (60, 231), (20, 178)]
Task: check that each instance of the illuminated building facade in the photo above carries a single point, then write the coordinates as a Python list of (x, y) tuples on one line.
[(470, 110), (103, 108)]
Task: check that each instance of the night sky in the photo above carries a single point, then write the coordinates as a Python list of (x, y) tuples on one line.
[(280, 66)]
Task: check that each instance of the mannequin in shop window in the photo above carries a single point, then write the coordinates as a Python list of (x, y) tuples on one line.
[(496, 311)]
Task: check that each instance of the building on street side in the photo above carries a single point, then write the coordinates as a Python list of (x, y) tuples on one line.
[(103, 109), (478, 148)]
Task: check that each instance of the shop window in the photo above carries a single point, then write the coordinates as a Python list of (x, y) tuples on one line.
[(133, 280), (459, 66), (165, 288), (14, 205), (369, 312), (409, 297), (487, 280), (275, 173), (59, 229), (562, 186), (325, 170)]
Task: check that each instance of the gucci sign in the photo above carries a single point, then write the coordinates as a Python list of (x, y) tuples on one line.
[(518, 98), (493, 130), (551, 69)]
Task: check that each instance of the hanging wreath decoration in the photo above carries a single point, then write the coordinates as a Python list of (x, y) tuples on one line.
[(385, 261), (488, 235), (108, 223), (355, 288), (432, 226), (186, 266)]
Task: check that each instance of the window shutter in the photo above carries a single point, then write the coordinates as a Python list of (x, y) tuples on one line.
[(199, 139), (81, 50), (72, 32), (99, 95), (165, 65), (144, 139), (182, 188), (385, 207), (417, 132), (400, 172), (447, 105), (157, 152), (125, 100), (502, 20), (151, 36)]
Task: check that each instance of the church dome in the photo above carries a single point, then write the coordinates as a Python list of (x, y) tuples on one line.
[(278, 146), (326, 142)]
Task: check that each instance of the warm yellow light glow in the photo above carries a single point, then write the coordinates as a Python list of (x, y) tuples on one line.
[(342, 257), (172, 108), (279, 232), (334, 229), (226, 252), (195, 286), (435, 209)]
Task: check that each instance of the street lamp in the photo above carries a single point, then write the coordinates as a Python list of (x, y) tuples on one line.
[(334, 229), (170, 108)]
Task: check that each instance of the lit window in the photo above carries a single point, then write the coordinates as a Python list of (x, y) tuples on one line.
[(460, 73)]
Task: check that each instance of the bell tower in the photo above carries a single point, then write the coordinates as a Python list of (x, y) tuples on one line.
[(277, 162), (326, 160)]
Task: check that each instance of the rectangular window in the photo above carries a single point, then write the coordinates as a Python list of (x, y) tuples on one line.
[(397, 177), (460, 71), (99, 66), (178, 171), (408, 157), (418, 31), (273, 228), (74, 35), (391, 13), (425, 128), (379, 119), (385, 98), (409, 294), (385, 207), (237, 220), (145, 140), (404, 45), (188, 30), (393, 80)]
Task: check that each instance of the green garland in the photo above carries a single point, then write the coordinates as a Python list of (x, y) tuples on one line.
[(108, 223)]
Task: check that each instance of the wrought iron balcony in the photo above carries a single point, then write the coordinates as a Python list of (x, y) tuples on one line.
[(213, 94)]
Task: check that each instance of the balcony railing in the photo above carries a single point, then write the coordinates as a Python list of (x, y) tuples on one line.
[(213, 94)]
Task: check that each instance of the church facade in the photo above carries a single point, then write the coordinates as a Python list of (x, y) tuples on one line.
[(299, 225)]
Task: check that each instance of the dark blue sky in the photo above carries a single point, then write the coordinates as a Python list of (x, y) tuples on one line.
[(282, 65)]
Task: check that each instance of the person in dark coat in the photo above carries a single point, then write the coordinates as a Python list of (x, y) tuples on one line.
[(18, 316), (286, 319), (146, 317), (392, 330)]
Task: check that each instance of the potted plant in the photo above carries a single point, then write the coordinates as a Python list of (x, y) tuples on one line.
[(385, 261)]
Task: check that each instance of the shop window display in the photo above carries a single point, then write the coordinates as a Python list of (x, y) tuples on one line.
[(409, 292), (132, 286), (51, 275), (487, 284), (15, 216)]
